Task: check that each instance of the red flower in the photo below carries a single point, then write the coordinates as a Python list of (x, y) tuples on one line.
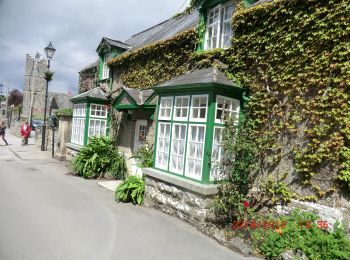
[(246, 204)]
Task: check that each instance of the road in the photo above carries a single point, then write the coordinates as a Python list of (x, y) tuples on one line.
[(46, 213)]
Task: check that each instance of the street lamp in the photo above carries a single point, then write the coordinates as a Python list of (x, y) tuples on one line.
[(49, 51), (1, 87)]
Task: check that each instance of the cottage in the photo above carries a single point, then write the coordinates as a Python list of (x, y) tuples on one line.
[(182, 117)]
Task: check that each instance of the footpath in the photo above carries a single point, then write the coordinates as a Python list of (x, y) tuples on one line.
[(22, 152), (32, 152)]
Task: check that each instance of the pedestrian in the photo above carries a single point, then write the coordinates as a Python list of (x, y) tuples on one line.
[(2, 131), (25, 132)]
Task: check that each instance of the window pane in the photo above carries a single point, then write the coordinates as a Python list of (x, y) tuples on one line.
[(195, 151), (199, 108)]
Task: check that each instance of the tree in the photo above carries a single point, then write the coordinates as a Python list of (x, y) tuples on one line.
[(15, 98)]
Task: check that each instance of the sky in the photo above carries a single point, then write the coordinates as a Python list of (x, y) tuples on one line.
[(75, 28)]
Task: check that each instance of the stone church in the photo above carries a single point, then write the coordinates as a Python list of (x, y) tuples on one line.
[(36, 80)]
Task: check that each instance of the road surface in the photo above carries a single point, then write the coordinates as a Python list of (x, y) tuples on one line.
[(46, 213)]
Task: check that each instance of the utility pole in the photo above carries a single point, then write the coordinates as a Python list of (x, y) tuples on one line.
[(32, 85)]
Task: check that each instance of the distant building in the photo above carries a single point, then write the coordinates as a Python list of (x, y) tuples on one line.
[(55, 100)]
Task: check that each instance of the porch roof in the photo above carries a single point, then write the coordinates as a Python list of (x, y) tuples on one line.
[(92, 94)]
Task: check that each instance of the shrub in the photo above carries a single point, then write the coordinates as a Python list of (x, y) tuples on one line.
[(145, 155), (300, 232), (99, 157), (131, 190), (67, 112)]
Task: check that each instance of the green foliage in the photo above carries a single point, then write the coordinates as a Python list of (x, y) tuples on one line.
[(277, 191), (156, 63), (98, 157), (293, 55), (300, 231), (131, 190), (48, 75), (240, 168), (145, 155), (64, 112)]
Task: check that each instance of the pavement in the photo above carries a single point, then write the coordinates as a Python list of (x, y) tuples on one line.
[(47, 213)]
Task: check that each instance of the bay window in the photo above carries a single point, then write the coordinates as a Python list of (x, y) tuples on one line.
[(219, 27), (182, 135)]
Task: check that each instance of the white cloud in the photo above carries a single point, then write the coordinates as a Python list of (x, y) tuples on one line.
[(75, 28)]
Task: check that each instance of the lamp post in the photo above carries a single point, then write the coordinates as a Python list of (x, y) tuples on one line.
[(49, 51), (1, 88)]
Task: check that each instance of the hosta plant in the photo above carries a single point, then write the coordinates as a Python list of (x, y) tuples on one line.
[(131, 190), (99, 157)]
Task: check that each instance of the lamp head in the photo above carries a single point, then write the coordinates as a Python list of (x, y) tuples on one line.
[(49, 50)]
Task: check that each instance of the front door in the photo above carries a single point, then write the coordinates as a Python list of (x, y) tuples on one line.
[(140, 134)]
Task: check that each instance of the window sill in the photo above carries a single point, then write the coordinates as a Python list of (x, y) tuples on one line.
[(204, 189), (75, 147)]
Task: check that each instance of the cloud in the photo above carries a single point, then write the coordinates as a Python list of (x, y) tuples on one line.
[(75, 28)]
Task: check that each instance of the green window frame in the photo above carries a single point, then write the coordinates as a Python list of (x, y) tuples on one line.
[(173, 125), (189, 141)]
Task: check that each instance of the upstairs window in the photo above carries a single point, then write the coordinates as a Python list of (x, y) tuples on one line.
[(219, 27), (105, 69)]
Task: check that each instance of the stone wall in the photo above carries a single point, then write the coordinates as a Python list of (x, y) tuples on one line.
[(178, 201), (64, 135), (191, 207)]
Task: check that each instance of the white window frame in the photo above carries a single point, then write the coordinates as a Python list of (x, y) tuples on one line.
[(78, 130), (99, 130), (215, 171), (79, 110), (177, 154), (160, 108), (102, 108), (212, 26), (105, 68), (164, 167), (206, 109), (181, 108), (187, 173), (230, 110), (219, 26), (228, 20)]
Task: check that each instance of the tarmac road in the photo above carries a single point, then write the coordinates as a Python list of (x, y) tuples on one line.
[(45, 213)]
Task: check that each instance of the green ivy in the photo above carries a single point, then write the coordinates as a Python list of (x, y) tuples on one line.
[(156, 63)]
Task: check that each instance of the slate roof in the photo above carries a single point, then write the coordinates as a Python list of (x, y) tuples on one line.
[(164, 30), (208, 75), (117, 43), (97, 93), (90, 66), (140, 96)]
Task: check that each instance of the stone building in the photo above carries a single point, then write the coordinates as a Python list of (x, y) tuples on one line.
[(55, 100)]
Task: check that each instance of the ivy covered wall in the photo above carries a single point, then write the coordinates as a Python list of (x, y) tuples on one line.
[(156, 63), (295, 57)]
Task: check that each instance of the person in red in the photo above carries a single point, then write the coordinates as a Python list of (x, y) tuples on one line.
[(25, 132)]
